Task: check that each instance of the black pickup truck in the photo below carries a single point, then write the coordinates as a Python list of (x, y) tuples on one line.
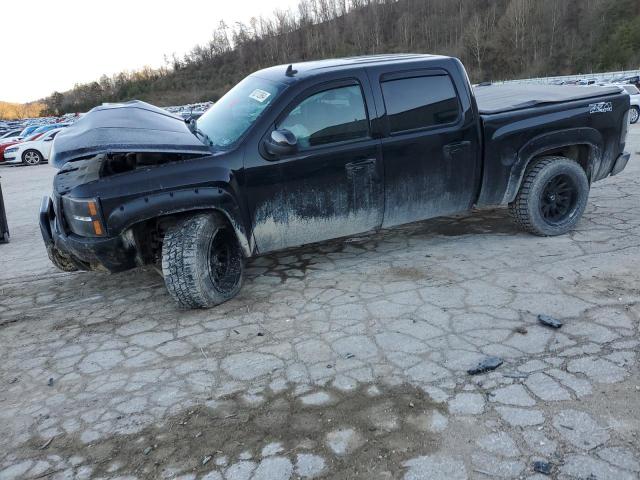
[(303, 153)]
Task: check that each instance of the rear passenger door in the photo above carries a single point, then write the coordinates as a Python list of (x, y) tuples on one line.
[(429, 146)]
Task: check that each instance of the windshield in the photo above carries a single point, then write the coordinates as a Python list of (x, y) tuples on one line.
[(231, 116), (27, 131)]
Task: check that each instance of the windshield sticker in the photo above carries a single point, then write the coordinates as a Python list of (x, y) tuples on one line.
[(259, 95), (602, 107)]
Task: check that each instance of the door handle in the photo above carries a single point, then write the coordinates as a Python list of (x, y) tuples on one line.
[(360, 164), (451, 149)]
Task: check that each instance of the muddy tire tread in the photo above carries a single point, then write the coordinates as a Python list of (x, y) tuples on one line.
[(184, 262), (179, 262)]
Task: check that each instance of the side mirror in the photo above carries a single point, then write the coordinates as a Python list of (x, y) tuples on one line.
[(281, 142), (50, 139)]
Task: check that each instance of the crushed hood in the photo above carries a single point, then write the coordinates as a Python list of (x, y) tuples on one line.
[(125, 127)]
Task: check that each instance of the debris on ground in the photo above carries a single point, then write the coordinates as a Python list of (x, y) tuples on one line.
[(515, 375), (147, 450), (486, 364), (549, 321), (542, 467), (50, 382), (206, 459), (521, 330), (47, 443)]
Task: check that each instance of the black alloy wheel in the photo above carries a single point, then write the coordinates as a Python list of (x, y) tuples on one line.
[(559, 199)]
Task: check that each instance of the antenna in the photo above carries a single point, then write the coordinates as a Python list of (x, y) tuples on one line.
[(290, 71)]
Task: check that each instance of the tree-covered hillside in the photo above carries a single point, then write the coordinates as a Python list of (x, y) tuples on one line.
[(496, 39), (10, 111)]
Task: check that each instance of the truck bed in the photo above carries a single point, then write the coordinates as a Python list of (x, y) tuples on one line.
[(493, 99)]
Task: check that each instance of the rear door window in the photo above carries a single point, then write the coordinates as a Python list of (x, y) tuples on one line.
[(420, 102)]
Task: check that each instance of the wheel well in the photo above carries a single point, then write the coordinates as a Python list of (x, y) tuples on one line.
[(581, 154), (149, 234)]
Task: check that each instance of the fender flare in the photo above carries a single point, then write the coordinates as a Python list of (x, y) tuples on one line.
[(179, 201), (586, 136)]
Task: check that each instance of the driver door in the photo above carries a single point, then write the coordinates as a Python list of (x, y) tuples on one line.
[(332, 186)]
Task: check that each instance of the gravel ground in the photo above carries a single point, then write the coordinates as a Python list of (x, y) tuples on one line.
[(345, 360)]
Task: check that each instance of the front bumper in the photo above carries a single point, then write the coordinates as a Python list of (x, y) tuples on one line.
[(620, 163), (113, 254), (10, 158)]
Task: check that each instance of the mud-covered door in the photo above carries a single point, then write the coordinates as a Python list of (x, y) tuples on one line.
[(333, 185)]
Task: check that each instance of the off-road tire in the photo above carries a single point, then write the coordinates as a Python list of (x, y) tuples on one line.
[(634, 115), (191, 261), (32, 154), (527, 208)]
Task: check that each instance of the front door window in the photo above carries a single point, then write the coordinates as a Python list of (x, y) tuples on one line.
[(332, 116)]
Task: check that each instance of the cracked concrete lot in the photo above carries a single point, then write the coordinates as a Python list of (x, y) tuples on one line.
[(345, 360)]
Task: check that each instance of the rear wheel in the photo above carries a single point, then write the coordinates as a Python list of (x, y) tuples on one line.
[(32, 157), (552, 197), (634, 114), (202, 262)]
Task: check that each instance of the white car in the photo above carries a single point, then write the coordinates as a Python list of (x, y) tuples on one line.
[(33, 152), (10, 135), (634, 95), (10, 139)]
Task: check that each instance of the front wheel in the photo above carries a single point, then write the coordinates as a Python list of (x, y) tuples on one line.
[(32, 157), (202, 262), (552, 197), (634, 114)]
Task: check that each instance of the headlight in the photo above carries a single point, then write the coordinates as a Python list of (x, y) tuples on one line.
[(83, 216), (11, 150)]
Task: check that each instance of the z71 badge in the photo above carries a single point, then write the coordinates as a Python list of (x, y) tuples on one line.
[(601, 107)]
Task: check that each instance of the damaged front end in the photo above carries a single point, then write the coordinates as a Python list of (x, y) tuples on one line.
[(69, 251), (108, 141)]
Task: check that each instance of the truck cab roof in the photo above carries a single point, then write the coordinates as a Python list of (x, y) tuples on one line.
[(313, 68)]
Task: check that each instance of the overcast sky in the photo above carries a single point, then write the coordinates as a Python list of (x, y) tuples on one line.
[(48, 45)]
